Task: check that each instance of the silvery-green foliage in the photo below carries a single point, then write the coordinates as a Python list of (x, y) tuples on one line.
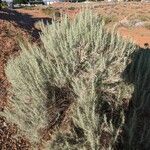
[(80, 54)]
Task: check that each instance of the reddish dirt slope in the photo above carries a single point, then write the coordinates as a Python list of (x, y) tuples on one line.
[(13, 26), (8, 46)]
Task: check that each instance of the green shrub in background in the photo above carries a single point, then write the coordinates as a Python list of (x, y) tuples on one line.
[(20, 1), (0, 3), (82, 57), (3, 4), (51, 12)]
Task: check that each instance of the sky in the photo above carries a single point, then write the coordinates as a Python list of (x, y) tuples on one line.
[(7, 0)]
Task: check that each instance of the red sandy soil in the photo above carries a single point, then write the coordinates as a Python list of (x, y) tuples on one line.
[(138, 35), (21, 23)]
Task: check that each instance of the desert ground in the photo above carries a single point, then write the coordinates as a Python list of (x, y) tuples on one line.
[(132, 21)]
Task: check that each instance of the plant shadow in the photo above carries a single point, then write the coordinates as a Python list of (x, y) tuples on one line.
[(136, 131)]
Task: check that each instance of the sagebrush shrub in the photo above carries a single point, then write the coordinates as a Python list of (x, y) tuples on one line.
[(85, 58)]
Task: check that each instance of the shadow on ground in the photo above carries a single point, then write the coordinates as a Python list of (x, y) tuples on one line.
[(137, 127), (24, 21)]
